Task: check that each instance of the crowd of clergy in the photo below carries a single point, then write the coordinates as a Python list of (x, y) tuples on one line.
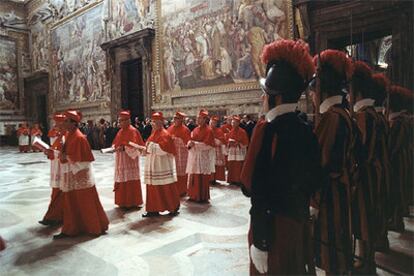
[(322, 194)]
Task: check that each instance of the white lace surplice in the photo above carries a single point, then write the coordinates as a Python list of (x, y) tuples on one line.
[(201, 159), (237, 153), (219, 153), (23, 140), (126, 165), (76, 176), (159, 166), (55, 170), (181, 156)]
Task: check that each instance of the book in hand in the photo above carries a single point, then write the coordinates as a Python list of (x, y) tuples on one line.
[(108, 150), (38, 143), (139, 147)]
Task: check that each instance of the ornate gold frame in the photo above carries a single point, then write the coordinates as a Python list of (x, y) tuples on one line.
[(74, 14), (158, 64)]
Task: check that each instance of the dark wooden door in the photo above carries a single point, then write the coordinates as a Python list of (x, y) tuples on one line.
[(132, 88), (42, 114)]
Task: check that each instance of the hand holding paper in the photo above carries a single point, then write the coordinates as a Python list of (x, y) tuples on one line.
[(108, 150), (38, 143)]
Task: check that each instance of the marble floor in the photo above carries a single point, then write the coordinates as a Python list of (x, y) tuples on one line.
[(205, 239)]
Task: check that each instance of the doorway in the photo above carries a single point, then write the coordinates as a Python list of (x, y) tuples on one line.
[(42, 115), (132, 94)]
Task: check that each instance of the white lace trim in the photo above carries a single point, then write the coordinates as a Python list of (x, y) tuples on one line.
[(24, 140), (328, 102), (362, 103), (159, 169), (220, 159), (201, 159), (76, 176), (181, 156), (126, 168), (237, 153)]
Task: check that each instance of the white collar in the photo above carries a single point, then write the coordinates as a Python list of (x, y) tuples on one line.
[(394, 115), (280, 110), (328, 102), (379, 109), (362, 103)]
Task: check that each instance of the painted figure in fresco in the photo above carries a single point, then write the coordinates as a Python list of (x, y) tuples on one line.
[(12, 20), (143, 6), (274, 13), (8, 79), (2, 91), (207, 64), (35, 52), (244, 65), (225, 62), (257, 39), (169, 70)]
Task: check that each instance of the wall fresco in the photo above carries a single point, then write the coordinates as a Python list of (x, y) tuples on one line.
[(210, 43), (78, 63)]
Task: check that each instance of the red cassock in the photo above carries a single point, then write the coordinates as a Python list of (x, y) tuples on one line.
[(55, 209), (127, 185), (181, 135), (82, 209), (201, 164), (24, 139), (220, 144), (160, 174), (238, 141), (226, 128)]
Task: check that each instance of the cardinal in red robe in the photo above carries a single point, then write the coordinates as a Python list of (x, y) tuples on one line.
[(127, 185), (237, 142), (181, 135), (220, 144), (201, 160), (54, 214), (82, 209), (36, 132), (24, 138), (160, 172)]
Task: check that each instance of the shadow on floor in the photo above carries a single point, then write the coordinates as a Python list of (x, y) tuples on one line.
[(53, 248), (146, 225)]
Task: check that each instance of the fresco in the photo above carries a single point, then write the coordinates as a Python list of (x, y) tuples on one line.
[(39, 47), (128, 16), (39, 36), (77, 62), (62, 8), (10, 19), (208, 42), (9, 92)]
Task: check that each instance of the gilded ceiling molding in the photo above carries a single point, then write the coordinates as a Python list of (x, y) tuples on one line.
[(74, 14)]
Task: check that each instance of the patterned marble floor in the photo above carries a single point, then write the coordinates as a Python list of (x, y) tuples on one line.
[(208, 239)]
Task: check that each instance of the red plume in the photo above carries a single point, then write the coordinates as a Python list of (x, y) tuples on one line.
[(338, 60), (362, 69), (401, 98), (381, 80), (295, 53)]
